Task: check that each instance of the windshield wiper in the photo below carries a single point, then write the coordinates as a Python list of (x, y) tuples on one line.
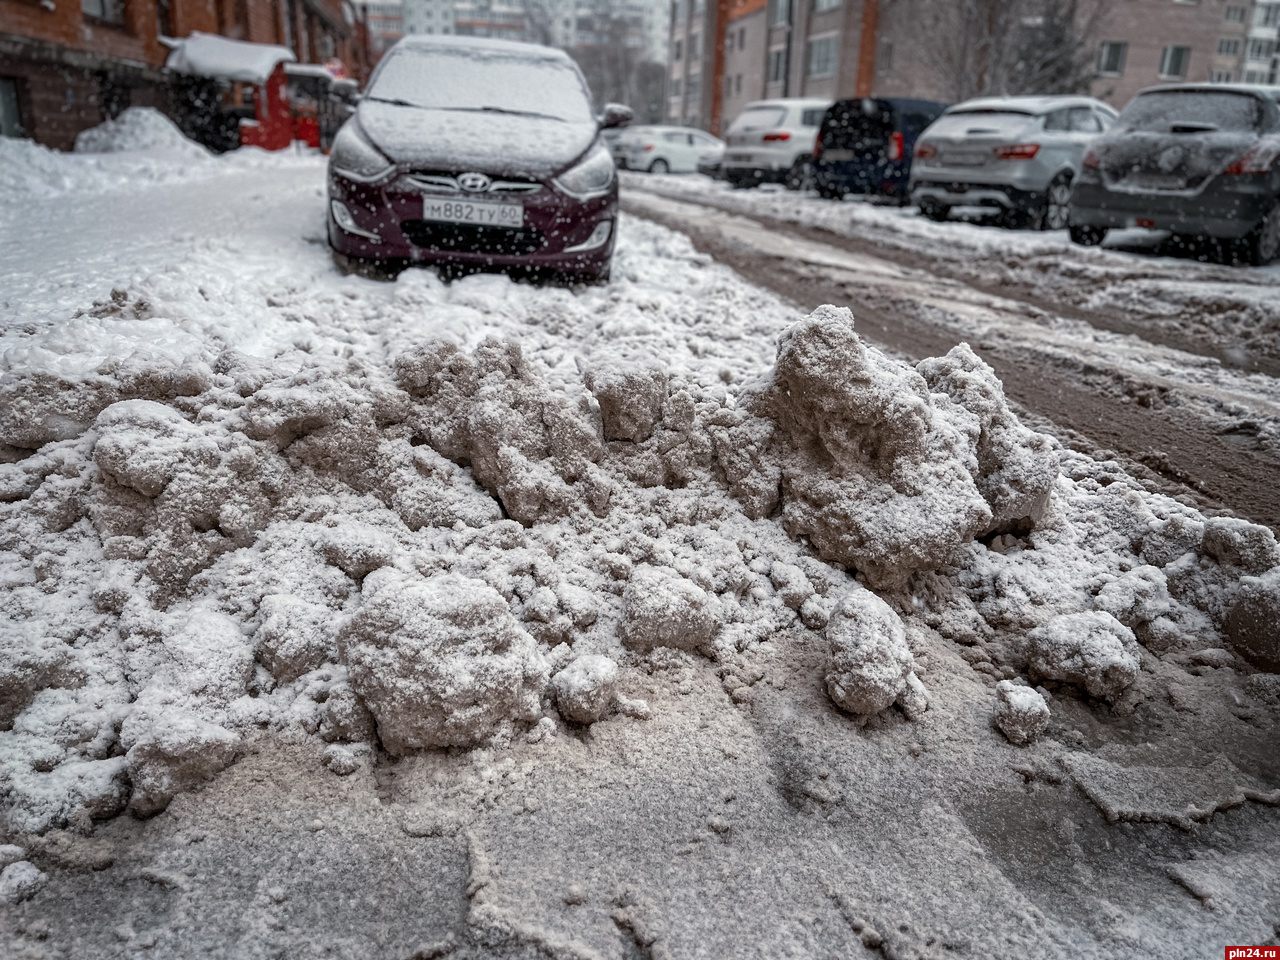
[(517, 113)]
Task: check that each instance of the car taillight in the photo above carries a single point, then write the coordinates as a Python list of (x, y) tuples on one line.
[(775, 137), (896, 148), (817, 148), (1091, 161), (926, 151), (1259, 159), (648, 146), (1020, 151)]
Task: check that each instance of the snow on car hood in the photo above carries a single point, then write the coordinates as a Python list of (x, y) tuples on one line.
[(493, 143)]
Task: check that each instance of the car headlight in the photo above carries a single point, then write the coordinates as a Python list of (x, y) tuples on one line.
[(590, 178), (355, 158)]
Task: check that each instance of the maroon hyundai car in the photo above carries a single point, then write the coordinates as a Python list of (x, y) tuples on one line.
[(478, 153)]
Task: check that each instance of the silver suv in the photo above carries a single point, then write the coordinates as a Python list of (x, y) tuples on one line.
[(772, 140), (1016, 155)]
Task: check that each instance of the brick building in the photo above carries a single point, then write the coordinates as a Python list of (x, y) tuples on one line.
[(890, 48), (67, 66)]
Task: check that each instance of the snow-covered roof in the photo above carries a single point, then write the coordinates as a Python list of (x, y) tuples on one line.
[(208, 55)]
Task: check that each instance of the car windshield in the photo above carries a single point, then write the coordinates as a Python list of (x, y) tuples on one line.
[(483, 80), (1214, 110), (981, 123), (758, 118)]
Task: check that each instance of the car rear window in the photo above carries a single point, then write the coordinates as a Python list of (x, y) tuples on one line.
[(758, 118), (981, 123), (811, 118), (1162, 109), (476, 79)]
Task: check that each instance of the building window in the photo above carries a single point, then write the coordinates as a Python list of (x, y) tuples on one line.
[(779, 13), (109, 11), (677, 13), (737, 83), (1266, 16), (1228, 48), (1174, 62), (777, 64), (820, 56), (1222, 76), (677, 50), (1234, 14), (695, 46), (1111, 58), (1261, 49), (742, 38), (675, 87), (693, 86), (699, 7), (822, 6)]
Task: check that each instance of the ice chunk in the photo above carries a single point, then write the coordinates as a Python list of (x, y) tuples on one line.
[(441, 661), (1253, 625), (1092, 649), (171, 750), (663, 609), (20, 881), (630, 397), (586, 690), (868, 660), (1021, 712)]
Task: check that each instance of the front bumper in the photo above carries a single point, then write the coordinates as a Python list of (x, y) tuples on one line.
[(560, 232), (855, 176), (1225, 211)]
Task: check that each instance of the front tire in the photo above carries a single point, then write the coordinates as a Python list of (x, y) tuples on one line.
[(934, 210), (1057, 199), (659, 166), (800, 176), (1087, 236)]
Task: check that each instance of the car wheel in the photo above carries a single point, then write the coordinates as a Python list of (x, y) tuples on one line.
[(934, 210), (1087, 236), (1053, 215), (1262, 245), (659, 166), (800, 176)]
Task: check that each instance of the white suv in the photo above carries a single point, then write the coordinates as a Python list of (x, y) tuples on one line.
[(772, 140)]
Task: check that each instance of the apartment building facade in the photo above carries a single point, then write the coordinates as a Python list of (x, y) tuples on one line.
[(896, 48), (67, 66)]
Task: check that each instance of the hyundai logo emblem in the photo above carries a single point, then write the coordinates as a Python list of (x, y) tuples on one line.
[(474, 182)]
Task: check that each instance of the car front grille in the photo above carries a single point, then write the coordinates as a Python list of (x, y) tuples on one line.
[(464, 238), (437, 181)]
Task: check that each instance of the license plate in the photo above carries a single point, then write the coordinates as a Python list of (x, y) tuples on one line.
[(477, 212), (964, 159), (837, 155), (740, 157)]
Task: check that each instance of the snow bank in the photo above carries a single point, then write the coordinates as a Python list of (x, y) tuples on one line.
[(430, 545), (137, 129)]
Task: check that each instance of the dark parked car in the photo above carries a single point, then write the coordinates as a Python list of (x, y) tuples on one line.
[(476, 152), (865, 145), (1197, 160)]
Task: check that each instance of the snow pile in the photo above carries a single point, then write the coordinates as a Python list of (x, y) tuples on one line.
[(431, 546), (138, 129), (884, 468)]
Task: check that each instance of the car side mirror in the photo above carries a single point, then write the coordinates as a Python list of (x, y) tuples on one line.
[(615, 115), (346, 91)]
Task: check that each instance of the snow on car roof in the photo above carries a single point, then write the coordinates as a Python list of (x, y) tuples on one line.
[(481, 46), (207, 55), (1028, 105)]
